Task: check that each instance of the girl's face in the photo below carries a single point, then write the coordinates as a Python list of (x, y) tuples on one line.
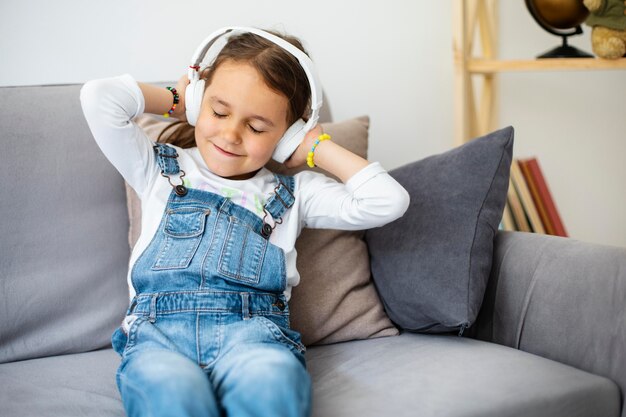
[(240, 122)]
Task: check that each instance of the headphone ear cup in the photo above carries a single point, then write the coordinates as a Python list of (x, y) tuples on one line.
[(290, 141), (193, 100)]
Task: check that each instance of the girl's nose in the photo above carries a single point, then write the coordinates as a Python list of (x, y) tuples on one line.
[(231, 133)]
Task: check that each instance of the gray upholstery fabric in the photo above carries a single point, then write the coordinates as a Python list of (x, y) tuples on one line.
[(408, 375), (431, 266), (63, 266), (76, 385), (437, 375), (559, 298)]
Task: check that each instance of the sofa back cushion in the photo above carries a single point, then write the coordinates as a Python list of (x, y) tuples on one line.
[(63, 228)]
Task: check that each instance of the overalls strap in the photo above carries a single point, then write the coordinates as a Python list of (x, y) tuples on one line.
[(283, 197), (166, 158), (280, 201)]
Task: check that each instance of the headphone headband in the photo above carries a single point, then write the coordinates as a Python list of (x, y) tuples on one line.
[(215, 42)]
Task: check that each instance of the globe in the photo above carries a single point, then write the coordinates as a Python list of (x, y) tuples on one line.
[(561, 18)]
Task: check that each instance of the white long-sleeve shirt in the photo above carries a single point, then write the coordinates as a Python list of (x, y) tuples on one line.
[(370, 198)]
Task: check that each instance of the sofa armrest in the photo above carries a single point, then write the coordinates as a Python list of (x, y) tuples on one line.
[(558, 298)]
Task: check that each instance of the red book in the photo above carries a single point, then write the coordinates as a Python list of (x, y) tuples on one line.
[(532, 187), (547, 202)]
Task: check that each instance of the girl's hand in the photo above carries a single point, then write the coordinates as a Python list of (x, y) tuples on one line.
[(181, 86), (328, 156), (299, 156)]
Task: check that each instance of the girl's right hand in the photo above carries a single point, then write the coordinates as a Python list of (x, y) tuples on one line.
[(181, 87)]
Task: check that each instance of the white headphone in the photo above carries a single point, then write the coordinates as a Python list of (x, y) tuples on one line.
[(212, 46)]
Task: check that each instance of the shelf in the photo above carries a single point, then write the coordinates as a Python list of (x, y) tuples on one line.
[(492, 66), (476, 72)]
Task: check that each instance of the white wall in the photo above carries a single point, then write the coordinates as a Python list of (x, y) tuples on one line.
[(391, 60)]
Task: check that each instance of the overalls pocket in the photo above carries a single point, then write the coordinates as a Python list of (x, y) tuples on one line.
[(282, 333), (122, 339), (182, 232), (242, 254)]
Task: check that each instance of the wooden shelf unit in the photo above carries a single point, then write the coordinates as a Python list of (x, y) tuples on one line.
[(492, 66), (479, 18)]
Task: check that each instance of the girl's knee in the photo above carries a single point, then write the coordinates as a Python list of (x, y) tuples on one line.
[(281, 360), (268, 381), (269, 371), (162, 380)]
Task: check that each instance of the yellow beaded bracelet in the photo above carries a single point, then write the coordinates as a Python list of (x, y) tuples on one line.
[(309, 157)]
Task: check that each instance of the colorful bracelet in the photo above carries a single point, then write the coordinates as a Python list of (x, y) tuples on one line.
[(176, 99), (309, 157)]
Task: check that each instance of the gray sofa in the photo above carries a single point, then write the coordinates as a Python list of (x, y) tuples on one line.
[(550, 339)]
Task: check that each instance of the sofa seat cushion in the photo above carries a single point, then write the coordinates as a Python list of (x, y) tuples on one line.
[(440, 375), (407, 375), (81, 384)]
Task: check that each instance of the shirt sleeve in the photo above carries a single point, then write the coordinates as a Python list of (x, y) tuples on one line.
[(370, 198), (109, 105)]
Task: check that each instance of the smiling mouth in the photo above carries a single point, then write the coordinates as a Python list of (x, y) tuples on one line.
[(225, 152)]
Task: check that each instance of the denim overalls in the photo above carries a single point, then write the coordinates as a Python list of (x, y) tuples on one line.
[(209, 332)]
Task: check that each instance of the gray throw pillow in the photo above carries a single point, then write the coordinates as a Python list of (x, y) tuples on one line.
[(432, 265)]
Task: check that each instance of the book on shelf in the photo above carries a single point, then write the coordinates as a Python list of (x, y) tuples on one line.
[(517, 210), (530, 206), (543, 197), (534, 191)]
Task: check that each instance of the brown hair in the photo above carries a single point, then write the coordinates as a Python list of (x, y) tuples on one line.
[(281, 71)]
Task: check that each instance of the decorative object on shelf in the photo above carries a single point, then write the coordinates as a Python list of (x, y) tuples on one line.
[(608, 20), (561, 18)]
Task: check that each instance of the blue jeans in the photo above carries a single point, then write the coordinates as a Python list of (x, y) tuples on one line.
[(212, 364)]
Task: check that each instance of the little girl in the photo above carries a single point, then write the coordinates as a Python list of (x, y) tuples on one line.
[(207, 331)]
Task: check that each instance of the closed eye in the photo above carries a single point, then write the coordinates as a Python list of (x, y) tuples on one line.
[(223, 116), (255, 131)]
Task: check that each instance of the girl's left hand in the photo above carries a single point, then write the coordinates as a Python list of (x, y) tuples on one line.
[(299, 156)]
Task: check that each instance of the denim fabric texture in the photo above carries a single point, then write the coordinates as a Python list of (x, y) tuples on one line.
[(166, 157), (207, 333)]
